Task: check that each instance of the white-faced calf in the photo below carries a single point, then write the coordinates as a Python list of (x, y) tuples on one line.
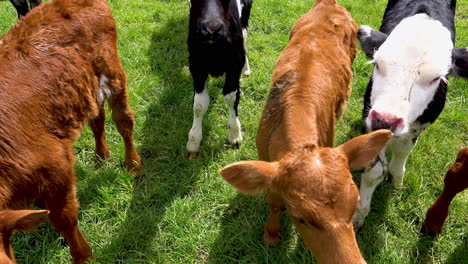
[(57, 67), (299, 167), (413, 55), (217, 31)]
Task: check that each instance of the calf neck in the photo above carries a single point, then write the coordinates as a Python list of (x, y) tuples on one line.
[(299, 168), (413, 55), (57, 67)]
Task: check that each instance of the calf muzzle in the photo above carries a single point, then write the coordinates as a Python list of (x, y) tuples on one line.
[(385, 121)]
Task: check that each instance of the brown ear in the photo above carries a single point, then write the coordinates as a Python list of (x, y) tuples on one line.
[(363, 149), (26, 220), (250, 177)]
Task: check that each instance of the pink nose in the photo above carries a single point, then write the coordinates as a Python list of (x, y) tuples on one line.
[(385, 121)]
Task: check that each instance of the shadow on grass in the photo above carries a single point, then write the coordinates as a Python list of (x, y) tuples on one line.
[(460, 254), (240, 239), (370, 237), (422, 249), (168, 175)]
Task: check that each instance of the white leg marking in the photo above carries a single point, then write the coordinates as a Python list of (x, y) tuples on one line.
[(369, 181), (234, 126), (401, 148), (104, 92), (246, 68), (201, 102), (239, 7)]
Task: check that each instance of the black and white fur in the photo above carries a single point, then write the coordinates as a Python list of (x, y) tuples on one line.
[(413, 55), (24, 6), (217, 31)]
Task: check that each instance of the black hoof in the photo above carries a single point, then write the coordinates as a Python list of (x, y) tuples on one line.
[(428, 232)]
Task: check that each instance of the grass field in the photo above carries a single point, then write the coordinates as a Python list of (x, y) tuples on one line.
[(182, 211)]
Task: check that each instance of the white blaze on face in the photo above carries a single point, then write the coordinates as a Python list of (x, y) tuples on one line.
[(410, 64)]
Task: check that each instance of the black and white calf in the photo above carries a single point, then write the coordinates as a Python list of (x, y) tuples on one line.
[(413, 54), (217, 31), (24, 6)]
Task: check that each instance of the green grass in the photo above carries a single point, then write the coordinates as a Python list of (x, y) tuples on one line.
[(182, 211)]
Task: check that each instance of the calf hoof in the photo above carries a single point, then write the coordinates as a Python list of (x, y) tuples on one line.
[(192, 155), (134, 166), (236, 142), (271, 240), (396, 182), (425, 230), (358, 222), (247, 73), (98, 164)]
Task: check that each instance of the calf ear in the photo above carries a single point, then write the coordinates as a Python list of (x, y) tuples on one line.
[(250, 177), (460, 62), (26, 220), (370, 40), (361, 150)]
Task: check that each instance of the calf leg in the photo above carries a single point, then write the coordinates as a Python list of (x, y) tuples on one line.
[(246, 69), (231, 94), (122, 116), (21, 7), (63, 207), (35, 3), (114, 87), (97, 126), (369, 181), (401, 148), (455, 181), (271, 235), (201, 101), (436, 215)]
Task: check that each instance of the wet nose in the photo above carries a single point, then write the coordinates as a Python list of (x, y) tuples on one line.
[(381, 120), (211, 28)]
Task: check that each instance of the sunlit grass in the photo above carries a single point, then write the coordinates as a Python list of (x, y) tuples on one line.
[(182, 211)]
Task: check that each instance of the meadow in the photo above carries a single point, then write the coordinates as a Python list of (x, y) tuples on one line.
[(182, 211)]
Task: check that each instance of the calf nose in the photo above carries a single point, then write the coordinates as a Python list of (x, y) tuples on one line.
[(211, 28), (385, 121)]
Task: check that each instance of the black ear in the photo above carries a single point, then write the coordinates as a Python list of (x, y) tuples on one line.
[(460, 62), (370, 40)]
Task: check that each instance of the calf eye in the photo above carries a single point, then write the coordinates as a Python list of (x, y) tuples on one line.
[(301, 221)]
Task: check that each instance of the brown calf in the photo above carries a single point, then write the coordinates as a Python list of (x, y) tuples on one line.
[(456, 180), (57, 67), (299, 167)]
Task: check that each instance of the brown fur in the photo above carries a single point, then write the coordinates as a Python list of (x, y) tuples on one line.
[(299, 167), (50, 68), (456, 180)]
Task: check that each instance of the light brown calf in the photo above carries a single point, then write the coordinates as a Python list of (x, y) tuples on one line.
[(299, 168), (57, 67), (456, 180)]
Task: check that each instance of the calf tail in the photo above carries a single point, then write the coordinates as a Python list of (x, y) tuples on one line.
[(326, 2)]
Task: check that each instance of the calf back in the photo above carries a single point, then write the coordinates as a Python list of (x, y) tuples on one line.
[(310, 84)]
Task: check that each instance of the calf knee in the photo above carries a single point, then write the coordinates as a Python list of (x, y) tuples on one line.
[(374, 175), (200, 103)]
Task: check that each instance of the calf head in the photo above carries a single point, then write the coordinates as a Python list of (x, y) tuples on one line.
[(411, 64), (209, 20), (10, 220), (318, 191)]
